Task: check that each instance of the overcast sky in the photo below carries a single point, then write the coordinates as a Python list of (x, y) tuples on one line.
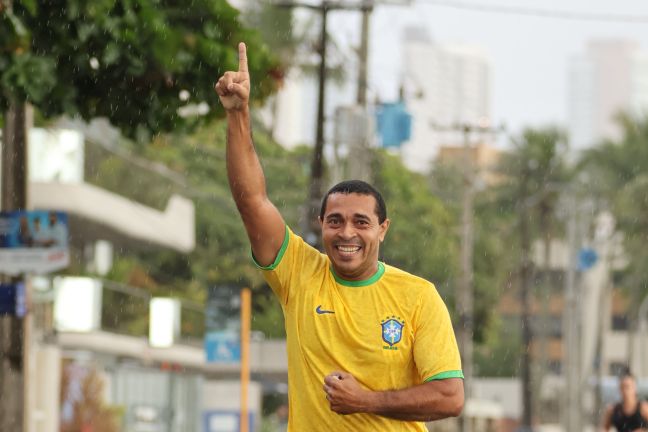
[(529, 55)]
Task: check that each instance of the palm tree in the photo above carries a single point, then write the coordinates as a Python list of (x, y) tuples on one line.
[(619, 169), (535, 172)]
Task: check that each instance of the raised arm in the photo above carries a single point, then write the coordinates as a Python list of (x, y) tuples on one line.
[(434, 400), (263, 222), (643, 410)]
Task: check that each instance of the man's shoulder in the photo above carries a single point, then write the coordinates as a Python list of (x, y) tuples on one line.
[(406, 279), (296, 245), (644, 409)]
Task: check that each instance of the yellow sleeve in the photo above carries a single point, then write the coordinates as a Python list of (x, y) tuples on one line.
[(435, 348), (296, 261)]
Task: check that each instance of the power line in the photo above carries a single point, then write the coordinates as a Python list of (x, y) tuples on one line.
[(540, 13)]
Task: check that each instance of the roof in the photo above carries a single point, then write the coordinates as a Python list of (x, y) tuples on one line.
[(95, 214)]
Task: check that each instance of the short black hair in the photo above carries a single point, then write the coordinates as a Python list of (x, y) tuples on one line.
[(626, 373), (358, 187)]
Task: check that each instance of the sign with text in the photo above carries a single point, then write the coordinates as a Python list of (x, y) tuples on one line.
[(33, 242)]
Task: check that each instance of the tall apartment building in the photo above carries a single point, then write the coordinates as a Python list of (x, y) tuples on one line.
[(609, 77), (445, 85)]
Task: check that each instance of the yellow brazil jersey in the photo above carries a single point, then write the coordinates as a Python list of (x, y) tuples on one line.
[(390, 332)]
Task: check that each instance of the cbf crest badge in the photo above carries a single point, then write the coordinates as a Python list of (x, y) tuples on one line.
[(392, 331)]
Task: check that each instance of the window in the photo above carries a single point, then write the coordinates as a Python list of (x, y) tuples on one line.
[(619, 322)]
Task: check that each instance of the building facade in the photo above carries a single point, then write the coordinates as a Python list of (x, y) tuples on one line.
[(610, 77), (445, 85)]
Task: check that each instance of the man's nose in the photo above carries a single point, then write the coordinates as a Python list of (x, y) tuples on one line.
[(347, 231)]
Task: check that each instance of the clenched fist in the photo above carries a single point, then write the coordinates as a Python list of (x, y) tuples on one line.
[(345, 395)]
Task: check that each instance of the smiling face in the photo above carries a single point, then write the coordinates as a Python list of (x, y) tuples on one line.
[(351, 234)]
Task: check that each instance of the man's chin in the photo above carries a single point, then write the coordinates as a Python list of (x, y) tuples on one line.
[(346, 269)]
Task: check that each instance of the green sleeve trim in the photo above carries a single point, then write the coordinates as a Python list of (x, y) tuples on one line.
[(280, 255), (446, 375)]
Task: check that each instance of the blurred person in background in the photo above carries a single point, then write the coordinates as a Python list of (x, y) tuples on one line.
[(370, 347), (631, 414), (25, 237), (54, 234), (56, 231)]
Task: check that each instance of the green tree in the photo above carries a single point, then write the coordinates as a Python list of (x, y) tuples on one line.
[(618, 174), (420, 238), (135, 62), (491, 260), (222, 252), (535, 172)]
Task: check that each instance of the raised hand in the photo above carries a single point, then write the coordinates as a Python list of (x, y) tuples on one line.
[(233, 88)]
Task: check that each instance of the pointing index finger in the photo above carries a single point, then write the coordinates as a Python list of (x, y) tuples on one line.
[(243, 65)]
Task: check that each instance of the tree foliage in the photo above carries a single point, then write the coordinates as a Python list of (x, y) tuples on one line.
[(127, 60), (420, 238), (222, 252), (537, 156), (618, 172), (490, 257)]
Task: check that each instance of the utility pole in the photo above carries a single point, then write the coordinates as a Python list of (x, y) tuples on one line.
[(317, 166), (310, 225), (525, 286), (311, 228), (363, 54), (465, 294), (466, 288), (573, 406), (12, 329), (356, 121)]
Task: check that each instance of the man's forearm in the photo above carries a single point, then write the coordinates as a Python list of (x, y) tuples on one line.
[(244, 171), (420, 403)]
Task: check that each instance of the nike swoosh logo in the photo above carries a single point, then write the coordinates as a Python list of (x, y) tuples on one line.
[(321, 311)]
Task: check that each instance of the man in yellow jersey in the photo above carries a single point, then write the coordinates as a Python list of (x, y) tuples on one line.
[(370, 347)]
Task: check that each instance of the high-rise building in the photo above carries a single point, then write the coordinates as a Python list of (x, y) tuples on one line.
[(611, 76), (445, 85)]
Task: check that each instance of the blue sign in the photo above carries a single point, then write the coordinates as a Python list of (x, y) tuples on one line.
[(34, 229), (587, 257), (394, 124), (223, 324), (222, 347), (12, 299), (33, 242)]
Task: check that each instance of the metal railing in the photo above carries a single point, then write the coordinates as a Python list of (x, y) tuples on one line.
[(124, 310)]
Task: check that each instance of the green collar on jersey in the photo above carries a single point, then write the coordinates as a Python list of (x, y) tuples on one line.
[(360, 283)]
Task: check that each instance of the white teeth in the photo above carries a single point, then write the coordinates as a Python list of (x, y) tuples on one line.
[(349, 248)]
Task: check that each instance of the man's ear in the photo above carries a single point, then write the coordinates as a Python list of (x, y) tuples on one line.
[(383, 229)]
